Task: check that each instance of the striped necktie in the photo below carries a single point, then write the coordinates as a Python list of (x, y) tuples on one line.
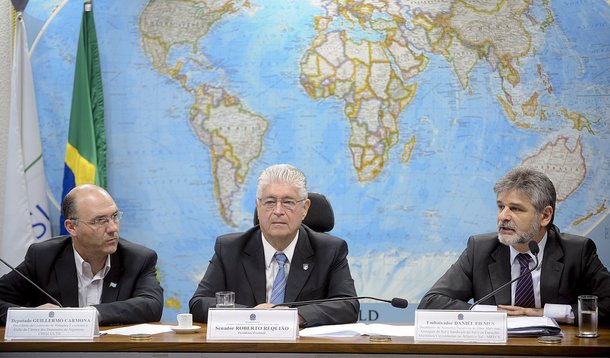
[(279, 285), (524, 294)]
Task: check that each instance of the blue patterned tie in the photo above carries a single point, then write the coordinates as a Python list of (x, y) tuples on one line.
[(279, 285), (524, 294)]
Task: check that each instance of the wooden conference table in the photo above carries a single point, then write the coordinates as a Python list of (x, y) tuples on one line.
[(197, 343)]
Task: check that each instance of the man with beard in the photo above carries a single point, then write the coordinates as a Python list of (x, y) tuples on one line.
[(569, 265), (92, 267)]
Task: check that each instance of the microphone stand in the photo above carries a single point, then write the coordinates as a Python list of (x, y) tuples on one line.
[(395, 302), (32, 283)]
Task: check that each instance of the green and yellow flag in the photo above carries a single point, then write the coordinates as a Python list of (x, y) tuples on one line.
[(86, 148)]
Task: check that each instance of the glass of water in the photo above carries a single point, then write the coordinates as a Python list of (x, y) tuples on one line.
[(225, 299), (587, 316)]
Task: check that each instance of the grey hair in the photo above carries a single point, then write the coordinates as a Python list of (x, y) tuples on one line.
[(282, 173), (533, 183)]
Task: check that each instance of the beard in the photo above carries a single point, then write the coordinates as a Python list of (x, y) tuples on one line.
[(519, 237)]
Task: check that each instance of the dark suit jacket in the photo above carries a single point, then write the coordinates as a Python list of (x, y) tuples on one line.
[(570, 267), (318, 270), (137, 296)]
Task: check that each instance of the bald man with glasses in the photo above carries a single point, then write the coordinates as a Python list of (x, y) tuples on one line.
[(92, 267)]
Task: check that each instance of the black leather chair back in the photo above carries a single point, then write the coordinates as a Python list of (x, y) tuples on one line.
[(320, 216)]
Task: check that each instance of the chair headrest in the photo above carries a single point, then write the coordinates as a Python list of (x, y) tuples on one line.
[(320, 216)]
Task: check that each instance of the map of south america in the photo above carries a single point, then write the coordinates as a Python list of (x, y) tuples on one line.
[(233, 134)]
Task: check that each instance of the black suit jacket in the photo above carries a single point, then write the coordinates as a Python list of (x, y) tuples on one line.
[(131, 291), (570, 267), (319, 269)]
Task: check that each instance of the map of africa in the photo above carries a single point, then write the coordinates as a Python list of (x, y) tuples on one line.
[(403, 113)]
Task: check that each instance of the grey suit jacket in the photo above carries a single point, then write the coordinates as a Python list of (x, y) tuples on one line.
[(131, 291), (319, 269), (570, 267)]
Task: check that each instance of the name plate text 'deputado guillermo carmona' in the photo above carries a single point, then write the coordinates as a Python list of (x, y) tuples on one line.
[(57, 323)]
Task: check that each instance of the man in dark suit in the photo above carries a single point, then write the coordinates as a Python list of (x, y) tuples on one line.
[(569, 264), (91, 267), (280, 260)]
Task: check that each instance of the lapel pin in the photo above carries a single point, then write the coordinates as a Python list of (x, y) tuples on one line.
[(305, 267), (113, 284)]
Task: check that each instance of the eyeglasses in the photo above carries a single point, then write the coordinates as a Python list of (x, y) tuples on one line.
[(102, 221), (287, 204)]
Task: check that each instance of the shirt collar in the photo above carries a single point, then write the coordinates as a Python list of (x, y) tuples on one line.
[(84, 268), (270, 250), (541, 245)]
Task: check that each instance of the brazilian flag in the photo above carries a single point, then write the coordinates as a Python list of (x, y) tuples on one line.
[(86, 147)]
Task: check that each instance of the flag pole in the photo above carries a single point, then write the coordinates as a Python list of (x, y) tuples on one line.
[(54, 13), (42, 31)]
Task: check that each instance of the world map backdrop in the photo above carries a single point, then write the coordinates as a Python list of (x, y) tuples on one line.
[(403, 113)]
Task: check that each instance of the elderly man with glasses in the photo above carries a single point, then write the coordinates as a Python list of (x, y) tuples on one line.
[(280, 260), (92, 267)]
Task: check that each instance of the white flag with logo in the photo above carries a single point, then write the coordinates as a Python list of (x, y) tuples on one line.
[(26, 208)]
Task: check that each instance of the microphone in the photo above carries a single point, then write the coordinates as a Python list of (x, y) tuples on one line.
[(534, 249), (395, 302), (33, 284)]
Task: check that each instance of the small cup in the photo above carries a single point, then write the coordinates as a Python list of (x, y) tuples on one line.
[(587, 316), (225, 299), (185, 320)]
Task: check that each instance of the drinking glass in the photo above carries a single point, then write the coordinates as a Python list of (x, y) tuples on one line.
[(587, 316), (225, 299)]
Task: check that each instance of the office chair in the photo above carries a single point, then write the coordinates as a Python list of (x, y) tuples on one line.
[(320, 216)]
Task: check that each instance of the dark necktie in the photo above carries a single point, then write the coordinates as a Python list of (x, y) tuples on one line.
[(524, 294)]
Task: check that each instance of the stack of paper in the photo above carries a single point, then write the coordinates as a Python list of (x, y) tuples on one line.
[(532, 327), (144, 328), (358, 329)]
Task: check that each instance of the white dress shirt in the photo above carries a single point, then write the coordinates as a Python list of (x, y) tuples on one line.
[(89, 285), (271, 265), (560, 312)]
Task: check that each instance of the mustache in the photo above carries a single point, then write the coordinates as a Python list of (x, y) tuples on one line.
[(507, 225)]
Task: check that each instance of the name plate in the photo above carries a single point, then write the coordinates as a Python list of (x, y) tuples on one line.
[(246, 324), (57, 323), (460, 326)]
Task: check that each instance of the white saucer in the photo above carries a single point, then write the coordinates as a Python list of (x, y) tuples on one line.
[(191, 329)]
